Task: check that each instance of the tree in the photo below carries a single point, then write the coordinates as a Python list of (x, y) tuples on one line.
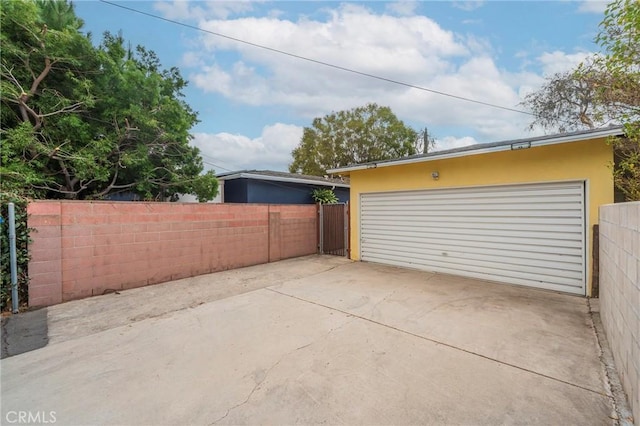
[(58, 15), (566, 102), (424, 142), (144, 123), (80, 121), (41, 82), (603, 89), (362, 134), (620, 37)]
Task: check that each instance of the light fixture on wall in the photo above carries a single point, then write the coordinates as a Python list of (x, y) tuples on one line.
[(520, 145), (435, 175)]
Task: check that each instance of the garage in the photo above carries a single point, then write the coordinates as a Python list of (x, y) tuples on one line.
[(519, 211), (531, 234)]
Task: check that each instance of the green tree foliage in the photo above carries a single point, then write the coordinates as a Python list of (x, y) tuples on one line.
[(324, 196), (86, 122), (58, 15), (604, 89), (359, 135), (567, 103), (620, 38)]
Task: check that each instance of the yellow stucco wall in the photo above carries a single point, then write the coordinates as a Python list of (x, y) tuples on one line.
[(576, 161)]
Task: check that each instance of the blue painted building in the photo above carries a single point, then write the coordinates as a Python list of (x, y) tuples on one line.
[(264, 186)]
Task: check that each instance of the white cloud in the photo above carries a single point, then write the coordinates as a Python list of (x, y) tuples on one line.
[(186, 10), (558, 61), (178, 9), (478, 79), (412, 49), (191, 60), (276, 13), (451, 142), (409, 49), (224, 9), (467, 6), (270, 151), (402, 8), (353, 36), (592, 6)]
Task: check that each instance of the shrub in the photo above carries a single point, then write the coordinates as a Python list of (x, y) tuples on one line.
[(324, 196), (22, 249)]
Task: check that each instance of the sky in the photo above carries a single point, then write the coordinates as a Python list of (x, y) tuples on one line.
[(253, 103)]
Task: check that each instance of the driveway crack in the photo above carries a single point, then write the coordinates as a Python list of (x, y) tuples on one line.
[(384, 299), (274, 365), (255, 388)]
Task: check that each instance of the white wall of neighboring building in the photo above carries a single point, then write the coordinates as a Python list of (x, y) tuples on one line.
[(190, 198)]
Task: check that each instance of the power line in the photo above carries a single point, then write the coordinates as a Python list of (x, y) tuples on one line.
[(315, 61), (216, 165), (202, 154)]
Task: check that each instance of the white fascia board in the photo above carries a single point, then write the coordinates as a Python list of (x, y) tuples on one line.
[(506, 147), (283, 179)]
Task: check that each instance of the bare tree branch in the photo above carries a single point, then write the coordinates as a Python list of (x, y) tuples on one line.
[(69, 108)]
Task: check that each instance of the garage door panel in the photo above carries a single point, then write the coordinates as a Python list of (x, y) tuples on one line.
[(426, 219), (529, 206), (494, 258), (553, 279), (476, 202), (568, 256), (480, 219), (465, 225), (506, 233), (517, 243), (454, 194), (483, 221), (533, 234), (447, 232), (472, 212)]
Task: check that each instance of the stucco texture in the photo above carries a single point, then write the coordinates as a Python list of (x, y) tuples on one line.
[(589, 161)]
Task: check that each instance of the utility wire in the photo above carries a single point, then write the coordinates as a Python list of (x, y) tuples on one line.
[(215, 165), (315, 61), (210, 158)]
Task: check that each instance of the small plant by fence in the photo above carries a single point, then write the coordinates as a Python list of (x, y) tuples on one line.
[(22, 250)]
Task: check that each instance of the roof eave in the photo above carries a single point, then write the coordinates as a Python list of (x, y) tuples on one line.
[(558, 139), (283, 179)]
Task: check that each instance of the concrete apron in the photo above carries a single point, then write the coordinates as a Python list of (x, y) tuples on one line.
[(339, 343)]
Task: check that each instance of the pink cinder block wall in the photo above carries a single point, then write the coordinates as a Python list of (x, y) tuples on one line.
[(83, 248)]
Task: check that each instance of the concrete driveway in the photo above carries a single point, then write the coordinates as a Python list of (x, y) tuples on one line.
[(312, 340)]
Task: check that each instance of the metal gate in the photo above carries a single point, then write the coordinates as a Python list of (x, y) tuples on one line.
[(334, 229)]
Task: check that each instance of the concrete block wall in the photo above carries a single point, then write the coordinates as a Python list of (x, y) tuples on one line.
[(82, 249), (299, 236), (45, 268), (620, 292)]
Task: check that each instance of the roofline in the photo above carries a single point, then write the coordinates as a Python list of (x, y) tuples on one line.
[(514, 145), (241, 175)]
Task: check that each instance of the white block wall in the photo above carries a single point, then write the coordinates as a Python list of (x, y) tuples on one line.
[(620, 292)]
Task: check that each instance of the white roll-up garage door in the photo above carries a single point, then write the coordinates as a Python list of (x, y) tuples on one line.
[(531, 235)]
